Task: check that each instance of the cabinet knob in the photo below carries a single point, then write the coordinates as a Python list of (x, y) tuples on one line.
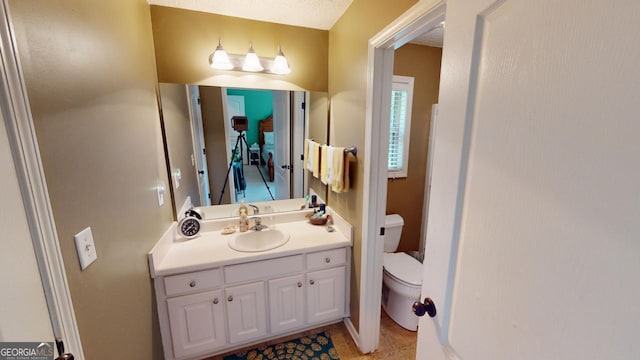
[(192, 283), (327, 260), (215, 301), (230, 298), (299, 284), (311, 282)]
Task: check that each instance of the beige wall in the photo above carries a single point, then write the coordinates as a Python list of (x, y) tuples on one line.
[(184, 40), (215, 143), (91, 80), (348, 49), (177, 125), (404, 194)]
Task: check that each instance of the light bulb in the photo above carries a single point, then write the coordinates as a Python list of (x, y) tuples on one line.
[(219, 60), (280, 64), (251, 61)]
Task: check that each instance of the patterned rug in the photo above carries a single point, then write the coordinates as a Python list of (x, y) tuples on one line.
[(312, 347)]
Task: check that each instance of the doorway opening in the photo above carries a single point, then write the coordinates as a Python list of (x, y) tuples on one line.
[(421, 19)]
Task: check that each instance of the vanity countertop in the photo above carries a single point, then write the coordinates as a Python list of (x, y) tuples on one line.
[(174, 255)]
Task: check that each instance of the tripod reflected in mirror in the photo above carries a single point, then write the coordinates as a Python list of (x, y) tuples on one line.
[(238, 166)]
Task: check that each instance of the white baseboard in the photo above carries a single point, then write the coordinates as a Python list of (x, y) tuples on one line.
[(352, 331)]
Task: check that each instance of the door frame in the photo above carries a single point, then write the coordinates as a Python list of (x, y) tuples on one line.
[(422, 16), (227, 133), (199, 148), (298, 134), (33, 188), (282, 130)]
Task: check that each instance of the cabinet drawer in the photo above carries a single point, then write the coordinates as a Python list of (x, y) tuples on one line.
[(192, 282), (262, 269), (325, 259)]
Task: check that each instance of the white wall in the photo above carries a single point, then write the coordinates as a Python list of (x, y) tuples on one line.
[(23, 309)]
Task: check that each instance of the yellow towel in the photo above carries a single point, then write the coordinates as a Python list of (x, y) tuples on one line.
[(337, 170), (316, 159), (324, 164)]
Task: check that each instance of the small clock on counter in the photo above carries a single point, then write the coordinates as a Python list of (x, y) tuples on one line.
[(189, 227)]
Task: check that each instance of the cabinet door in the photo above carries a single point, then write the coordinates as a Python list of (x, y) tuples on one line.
[(246, 312), (197, 323), (286, 303), (326, 294)]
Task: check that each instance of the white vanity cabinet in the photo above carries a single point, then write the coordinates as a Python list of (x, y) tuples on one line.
[(287, 303), (325, 294), (197, 323), (326, 289), (246, 312), (197, 320), (235, 304)]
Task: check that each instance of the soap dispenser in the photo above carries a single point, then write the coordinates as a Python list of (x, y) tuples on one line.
[(243, 223)]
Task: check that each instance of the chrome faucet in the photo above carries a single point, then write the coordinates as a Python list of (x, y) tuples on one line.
[(256, 210), (258, 224)]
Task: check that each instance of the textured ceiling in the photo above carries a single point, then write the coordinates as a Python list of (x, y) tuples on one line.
[(433, 37), (317, 14)]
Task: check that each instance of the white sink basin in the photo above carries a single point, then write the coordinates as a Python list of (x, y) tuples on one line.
[(254, 241)]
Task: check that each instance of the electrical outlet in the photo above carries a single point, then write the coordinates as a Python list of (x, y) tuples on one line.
[(177, 176), (85, 247), (160, 190)]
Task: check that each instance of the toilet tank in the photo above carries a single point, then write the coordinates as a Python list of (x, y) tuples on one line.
[(393, 224)]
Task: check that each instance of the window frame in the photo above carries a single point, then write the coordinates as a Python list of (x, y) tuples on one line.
[(401, 83)]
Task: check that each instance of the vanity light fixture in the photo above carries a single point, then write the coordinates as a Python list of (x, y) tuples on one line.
[(280, 64), (221, 60), (251, 61)]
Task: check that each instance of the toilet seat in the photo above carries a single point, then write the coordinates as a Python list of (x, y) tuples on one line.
[(403, 267)]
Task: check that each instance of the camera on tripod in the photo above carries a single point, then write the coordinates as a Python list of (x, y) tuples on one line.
[(240, 123)]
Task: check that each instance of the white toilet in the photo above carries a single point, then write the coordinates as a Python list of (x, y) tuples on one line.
[(402, 277)]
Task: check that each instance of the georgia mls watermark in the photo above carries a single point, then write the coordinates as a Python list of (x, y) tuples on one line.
[(26, 351)]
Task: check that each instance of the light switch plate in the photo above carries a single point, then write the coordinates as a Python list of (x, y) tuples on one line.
[(85, 247)]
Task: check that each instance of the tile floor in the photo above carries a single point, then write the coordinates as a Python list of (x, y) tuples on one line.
[(396, 343)]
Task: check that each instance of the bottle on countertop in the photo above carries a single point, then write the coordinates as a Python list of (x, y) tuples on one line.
[(243, 222)]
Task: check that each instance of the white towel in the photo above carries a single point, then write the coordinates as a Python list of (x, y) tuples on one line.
[(315, 160), (309, 154), (329, 160)]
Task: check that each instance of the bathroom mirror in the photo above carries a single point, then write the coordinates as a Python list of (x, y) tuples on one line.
[(214, 165)]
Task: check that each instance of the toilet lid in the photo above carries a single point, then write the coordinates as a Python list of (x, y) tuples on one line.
[(403, 267)]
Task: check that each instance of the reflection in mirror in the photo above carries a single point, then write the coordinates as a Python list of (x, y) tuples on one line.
[(215, 164)]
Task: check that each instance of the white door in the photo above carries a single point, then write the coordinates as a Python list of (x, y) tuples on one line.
[(325, 294), (282, 136), (532, 249), (24, 315), (199, 151), (246, 312), (197, 323), (286, 303), (233, 106), (298, 125)]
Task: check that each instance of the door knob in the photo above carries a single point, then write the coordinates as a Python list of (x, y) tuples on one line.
[(427, 307)]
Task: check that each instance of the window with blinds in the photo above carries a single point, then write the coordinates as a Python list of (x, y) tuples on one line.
[(400, 126)]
